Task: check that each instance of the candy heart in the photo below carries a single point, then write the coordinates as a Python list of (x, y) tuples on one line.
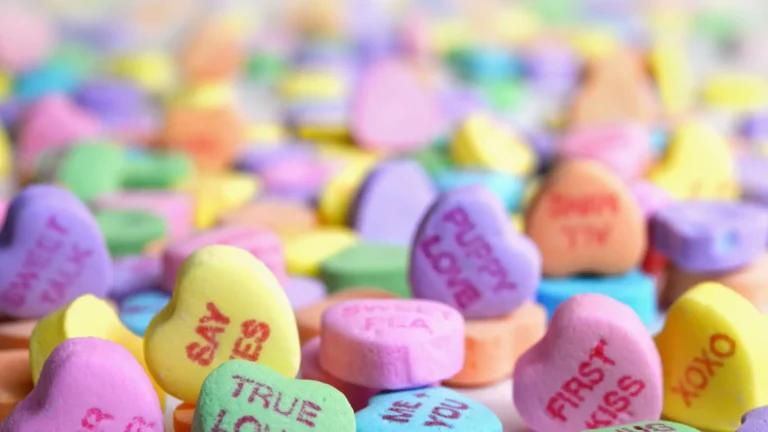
[(584, 219), (86, 316), (89, 384), (304, 291), (261, 243), (226, 305), (426, 408), (655, 426), (391, 201), (137, 310), (713, 358), (382, 266), (174, 207), (596, 367), (710, 236), (22, 24), (755, 420), (388, 96), (53, 252), (130, 232), (467, 254), (421, 340), (624, 148), (240, 393)]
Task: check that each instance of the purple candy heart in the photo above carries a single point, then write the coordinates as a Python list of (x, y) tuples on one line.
[(304, 291), (467, 254), (755, 420), (134, 274), (710, 236), (391, 202), (52, 253), (752, 179)]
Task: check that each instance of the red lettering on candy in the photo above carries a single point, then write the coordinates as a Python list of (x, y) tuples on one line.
[(698, 372), (594, 204), (94, 417), (307, 411), (253, 336), (582, 236), (248, 346), (444, 414)]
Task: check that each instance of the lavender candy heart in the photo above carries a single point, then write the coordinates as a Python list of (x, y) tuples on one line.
[(752, 178), (135, 274), (710, 236), (755, 420), (256, 159), (51, 252), (754, 127), (304, 291), (467, 254)]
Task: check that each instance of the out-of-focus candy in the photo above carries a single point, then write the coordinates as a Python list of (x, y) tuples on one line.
[(624, 148), (285, 217), (129, 232), (214, 52), (19, 24), (217, 194), (368, 264), (483, 143), (305, 253), (137, 310), (151, 70), (738, 92)]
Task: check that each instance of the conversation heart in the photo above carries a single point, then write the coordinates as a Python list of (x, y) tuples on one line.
[(648, 426), (305, 253), (392, 344), (183, 416), (595, 367), (713, 357), (241, 394), (358, 396), (174, 207), (129, 232), (467, 254), (426, 408), (624, 148), (304, 291), (226, 305), (261, 243), (756, 420), (382, 212), (89, 384), (284, 217), (388, 95), (86, 316), (137, 310), (710, 236), (585, 220), (53, 253), (382, 266)]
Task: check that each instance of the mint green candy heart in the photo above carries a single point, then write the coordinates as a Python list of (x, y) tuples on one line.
[(364, 264), (91, 169), (434, 160), (155, 170), (245, 396), (128, 232), (649, 426)]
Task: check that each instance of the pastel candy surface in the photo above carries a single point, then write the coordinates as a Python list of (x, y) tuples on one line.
[(89, 383), (261, 243), (392, 344), (624, 148), (508, 188), (358, 396), (226, 305), (584, 219), (175, 208), (129, 232), (53, 253), (595, 367), (388, 95), (648, 426), (240, 394), (712, 358), (431, 408), (383, 266), (755, 420), (304, 291), (133, 274), (484, 143), (17, 24), (634, 288), (708, 236), (16, 381), (381, 211), (467, 254), (86, 316), (137, 310)]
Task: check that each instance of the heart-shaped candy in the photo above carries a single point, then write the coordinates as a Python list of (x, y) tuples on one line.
[(424, 409), (468, 254), (391, 201), (755, 420), (585, 220), (710, 236), (86, 316), (174, 207), (52, 253), (392, 344), (240, 395), (388, 96), (713, 358), (624, 148), (226, 305), (649, 426), (89, 384), (595, 367)]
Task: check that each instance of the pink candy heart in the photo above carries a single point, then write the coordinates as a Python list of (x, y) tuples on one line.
[(625, 148), (26, 38), (89, 385), (393, 111), (597, 366)]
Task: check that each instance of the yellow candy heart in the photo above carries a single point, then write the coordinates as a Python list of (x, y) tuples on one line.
[(219, 193), (206, 95), (737, 92), (272, 133), (338, 193), (481, 143), (226, 305), (674, 77), (305, 253), (152, 70), (713, 354), (6, 154), (699, 163), (86, 316), (312, 85)]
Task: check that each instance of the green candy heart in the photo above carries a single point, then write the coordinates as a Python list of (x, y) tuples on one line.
[(256, 398), (149, 170), (368, 265), (128, 232), (434, 160), (264, 67), (648, 426), (91, 169)]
